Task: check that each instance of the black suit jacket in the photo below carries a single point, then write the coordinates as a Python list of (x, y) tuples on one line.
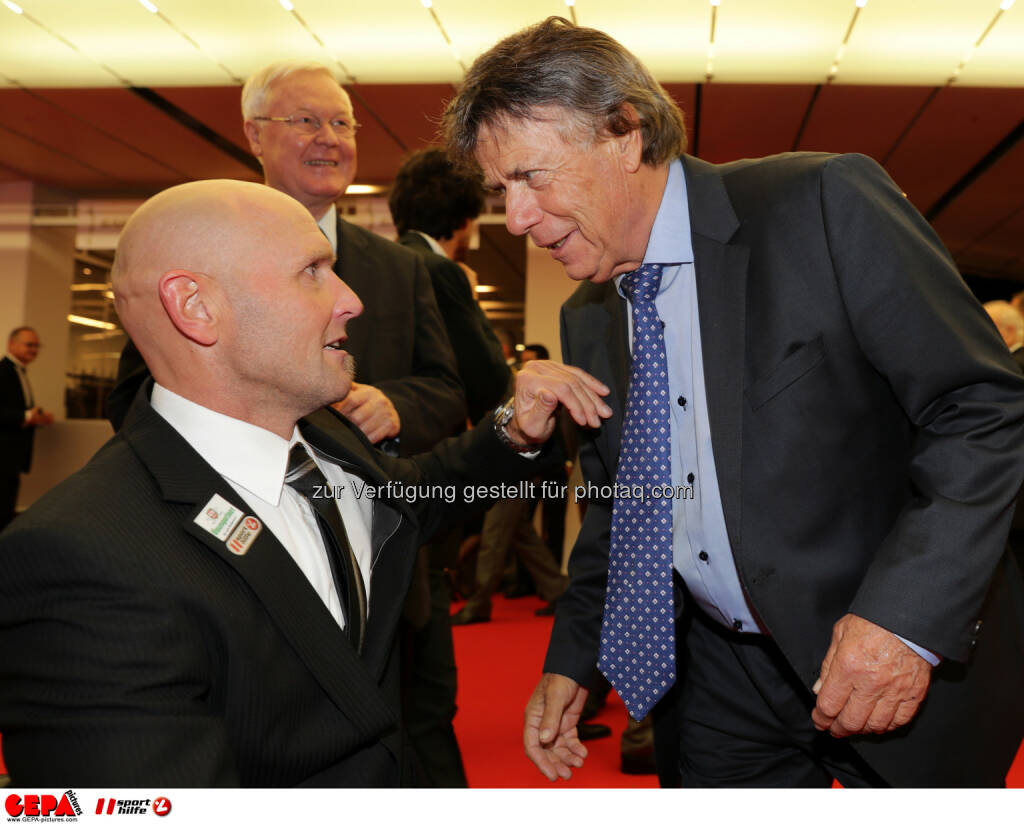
[(15, 437), (135, 649), (399, 342), (866, 423), (478, 354)]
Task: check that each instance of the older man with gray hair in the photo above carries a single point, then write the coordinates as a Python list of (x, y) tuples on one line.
[(794, 553)]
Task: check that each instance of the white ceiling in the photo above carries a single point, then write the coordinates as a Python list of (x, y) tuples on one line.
[(62, 43)]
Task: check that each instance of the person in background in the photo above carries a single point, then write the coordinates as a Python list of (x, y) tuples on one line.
[(20, 416), (434, 209), (795, 551)]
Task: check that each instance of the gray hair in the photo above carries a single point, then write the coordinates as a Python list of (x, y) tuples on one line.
[(257, 87), (582, 70)]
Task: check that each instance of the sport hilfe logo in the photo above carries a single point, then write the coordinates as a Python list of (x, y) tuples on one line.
[(133, 806), (42, 806)]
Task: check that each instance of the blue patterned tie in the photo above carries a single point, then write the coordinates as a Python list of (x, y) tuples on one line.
[(637, 652)]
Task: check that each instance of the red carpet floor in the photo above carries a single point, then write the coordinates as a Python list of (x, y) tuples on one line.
[(499, 663)]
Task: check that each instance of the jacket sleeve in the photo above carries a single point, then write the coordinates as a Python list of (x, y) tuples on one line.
[(918, 325), (573, 648)]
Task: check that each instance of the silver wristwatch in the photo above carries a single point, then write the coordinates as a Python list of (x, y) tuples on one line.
[(502, 415)]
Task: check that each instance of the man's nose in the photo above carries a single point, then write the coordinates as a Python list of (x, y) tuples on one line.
[(521, 210), (346, 302), (327, 134)]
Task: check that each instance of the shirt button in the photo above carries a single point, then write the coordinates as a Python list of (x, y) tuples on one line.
[(702, 555), (737, 625), (662, 323), (690, 478), (681, 401)]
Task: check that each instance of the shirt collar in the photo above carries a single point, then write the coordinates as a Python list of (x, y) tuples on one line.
[(329, 226), (247, 455), (435, 247), (670, 243)]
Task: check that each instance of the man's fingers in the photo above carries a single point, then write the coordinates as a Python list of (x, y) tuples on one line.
[(832, 698), (871, 681), (549, 726)]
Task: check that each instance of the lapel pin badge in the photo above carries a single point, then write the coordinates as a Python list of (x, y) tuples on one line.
[(245, 533), (218, 517)]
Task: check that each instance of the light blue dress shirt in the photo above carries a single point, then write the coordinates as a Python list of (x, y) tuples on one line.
[(701, 552), (700, 545)]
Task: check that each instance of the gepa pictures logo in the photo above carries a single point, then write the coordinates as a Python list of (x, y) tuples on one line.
[(42, 807)]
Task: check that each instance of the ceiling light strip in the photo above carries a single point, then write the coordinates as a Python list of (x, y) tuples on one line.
[(40, 24), (170, 24), (96, 324), (709, 68), (451, 46), (345, 73), (841, 51), (292, 11), (572, 11), (1004, 6)]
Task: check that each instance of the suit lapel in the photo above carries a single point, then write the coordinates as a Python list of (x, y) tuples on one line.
[(721, 269), (187, 480)]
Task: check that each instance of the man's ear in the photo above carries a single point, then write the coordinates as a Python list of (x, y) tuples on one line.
[(188, 301), (252, 132), (631, 144)]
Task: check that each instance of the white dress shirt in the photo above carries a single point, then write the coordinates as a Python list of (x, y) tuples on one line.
[(254, 461), (329, 226)]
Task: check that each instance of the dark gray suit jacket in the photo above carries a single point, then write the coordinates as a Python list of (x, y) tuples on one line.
[(136, 650), (867, 428)]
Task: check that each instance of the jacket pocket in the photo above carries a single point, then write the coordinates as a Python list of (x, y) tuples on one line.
[(793, 367)]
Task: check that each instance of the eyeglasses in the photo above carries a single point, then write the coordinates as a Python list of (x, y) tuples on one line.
[(310, 124)]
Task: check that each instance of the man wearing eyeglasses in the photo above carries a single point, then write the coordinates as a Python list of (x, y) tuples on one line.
[(302, 129), (407, 396)]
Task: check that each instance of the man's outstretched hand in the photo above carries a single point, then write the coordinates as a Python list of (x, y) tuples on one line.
[(541, 386), (549, 726)]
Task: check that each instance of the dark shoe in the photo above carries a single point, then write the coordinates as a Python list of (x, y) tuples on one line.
[(590, 732), (547, 609), (639, 763), (637, 747), (466, 616)]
